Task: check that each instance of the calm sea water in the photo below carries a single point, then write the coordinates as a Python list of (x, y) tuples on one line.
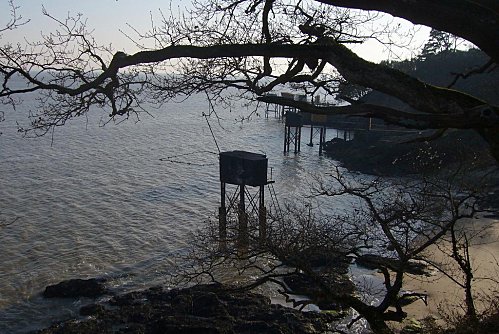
[(97, 201)]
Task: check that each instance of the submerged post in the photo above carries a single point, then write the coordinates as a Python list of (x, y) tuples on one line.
[(262, 217), (222, 220), (242, 235), (311, 143), (322, 139)]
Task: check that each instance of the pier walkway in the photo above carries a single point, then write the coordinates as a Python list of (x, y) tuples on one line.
[(287, 107)]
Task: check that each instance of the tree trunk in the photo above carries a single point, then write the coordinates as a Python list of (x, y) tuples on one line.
[(378, 325), (470, 304)]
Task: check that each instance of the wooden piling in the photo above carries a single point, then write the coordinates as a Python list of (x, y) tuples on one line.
[(222, 220), (262, 217), (243, 236)]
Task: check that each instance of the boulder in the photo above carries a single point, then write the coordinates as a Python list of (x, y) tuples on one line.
[(76, 288), (200, 309), (371, 261), (303, 285)]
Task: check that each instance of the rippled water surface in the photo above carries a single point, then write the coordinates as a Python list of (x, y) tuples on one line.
[(96, 201)]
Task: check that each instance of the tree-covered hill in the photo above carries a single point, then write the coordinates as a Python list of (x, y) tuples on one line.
[(389, 153)]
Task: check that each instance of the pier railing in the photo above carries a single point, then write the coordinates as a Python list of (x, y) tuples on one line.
[(319, 116)]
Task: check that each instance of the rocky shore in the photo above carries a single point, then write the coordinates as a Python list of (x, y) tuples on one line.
[(399, 154), (458, 153), (200, 309)]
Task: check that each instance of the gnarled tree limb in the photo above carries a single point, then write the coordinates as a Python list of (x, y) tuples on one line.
[(475, 21), (472, 118)]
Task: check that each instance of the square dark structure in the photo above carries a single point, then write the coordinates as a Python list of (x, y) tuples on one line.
[(243, 168)]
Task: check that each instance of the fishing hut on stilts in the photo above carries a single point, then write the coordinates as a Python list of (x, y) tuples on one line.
[(242, 171), (292, 131)]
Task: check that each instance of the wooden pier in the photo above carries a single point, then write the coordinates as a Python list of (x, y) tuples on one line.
[(287, 107)]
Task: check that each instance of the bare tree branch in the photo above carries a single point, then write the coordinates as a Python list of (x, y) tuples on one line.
[(481, 17)]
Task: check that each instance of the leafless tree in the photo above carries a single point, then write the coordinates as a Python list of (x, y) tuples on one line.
[(15, 19), (458, 266), (254, 45), (386, 225)]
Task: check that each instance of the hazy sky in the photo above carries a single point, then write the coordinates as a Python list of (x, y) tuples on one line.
[(107, 17)]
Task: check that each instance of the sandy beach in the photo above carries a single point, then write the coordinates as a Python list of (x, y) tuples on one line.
[(442, 292)]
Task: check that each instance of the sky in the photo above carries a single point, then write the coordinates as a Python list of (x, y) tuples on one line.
[(107, 17)]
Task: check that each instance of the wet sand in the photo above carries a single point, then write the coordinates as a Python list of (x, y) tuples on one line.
[(443, 293)]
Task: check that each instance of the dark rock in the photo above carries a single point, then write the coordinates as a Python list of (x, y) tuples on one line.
[(316, 257), (490, 203), (127, 299), (256, 327), (168, 327), (78, 327), (76, 288), (371, 261), (339, 264), (386, 154), (303, 285), (201, 309), (92, 309), (208, 305)]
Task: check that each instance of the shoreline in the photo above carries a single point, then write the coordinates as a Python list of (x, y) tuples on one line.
[(440, 289), (443, 293)]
